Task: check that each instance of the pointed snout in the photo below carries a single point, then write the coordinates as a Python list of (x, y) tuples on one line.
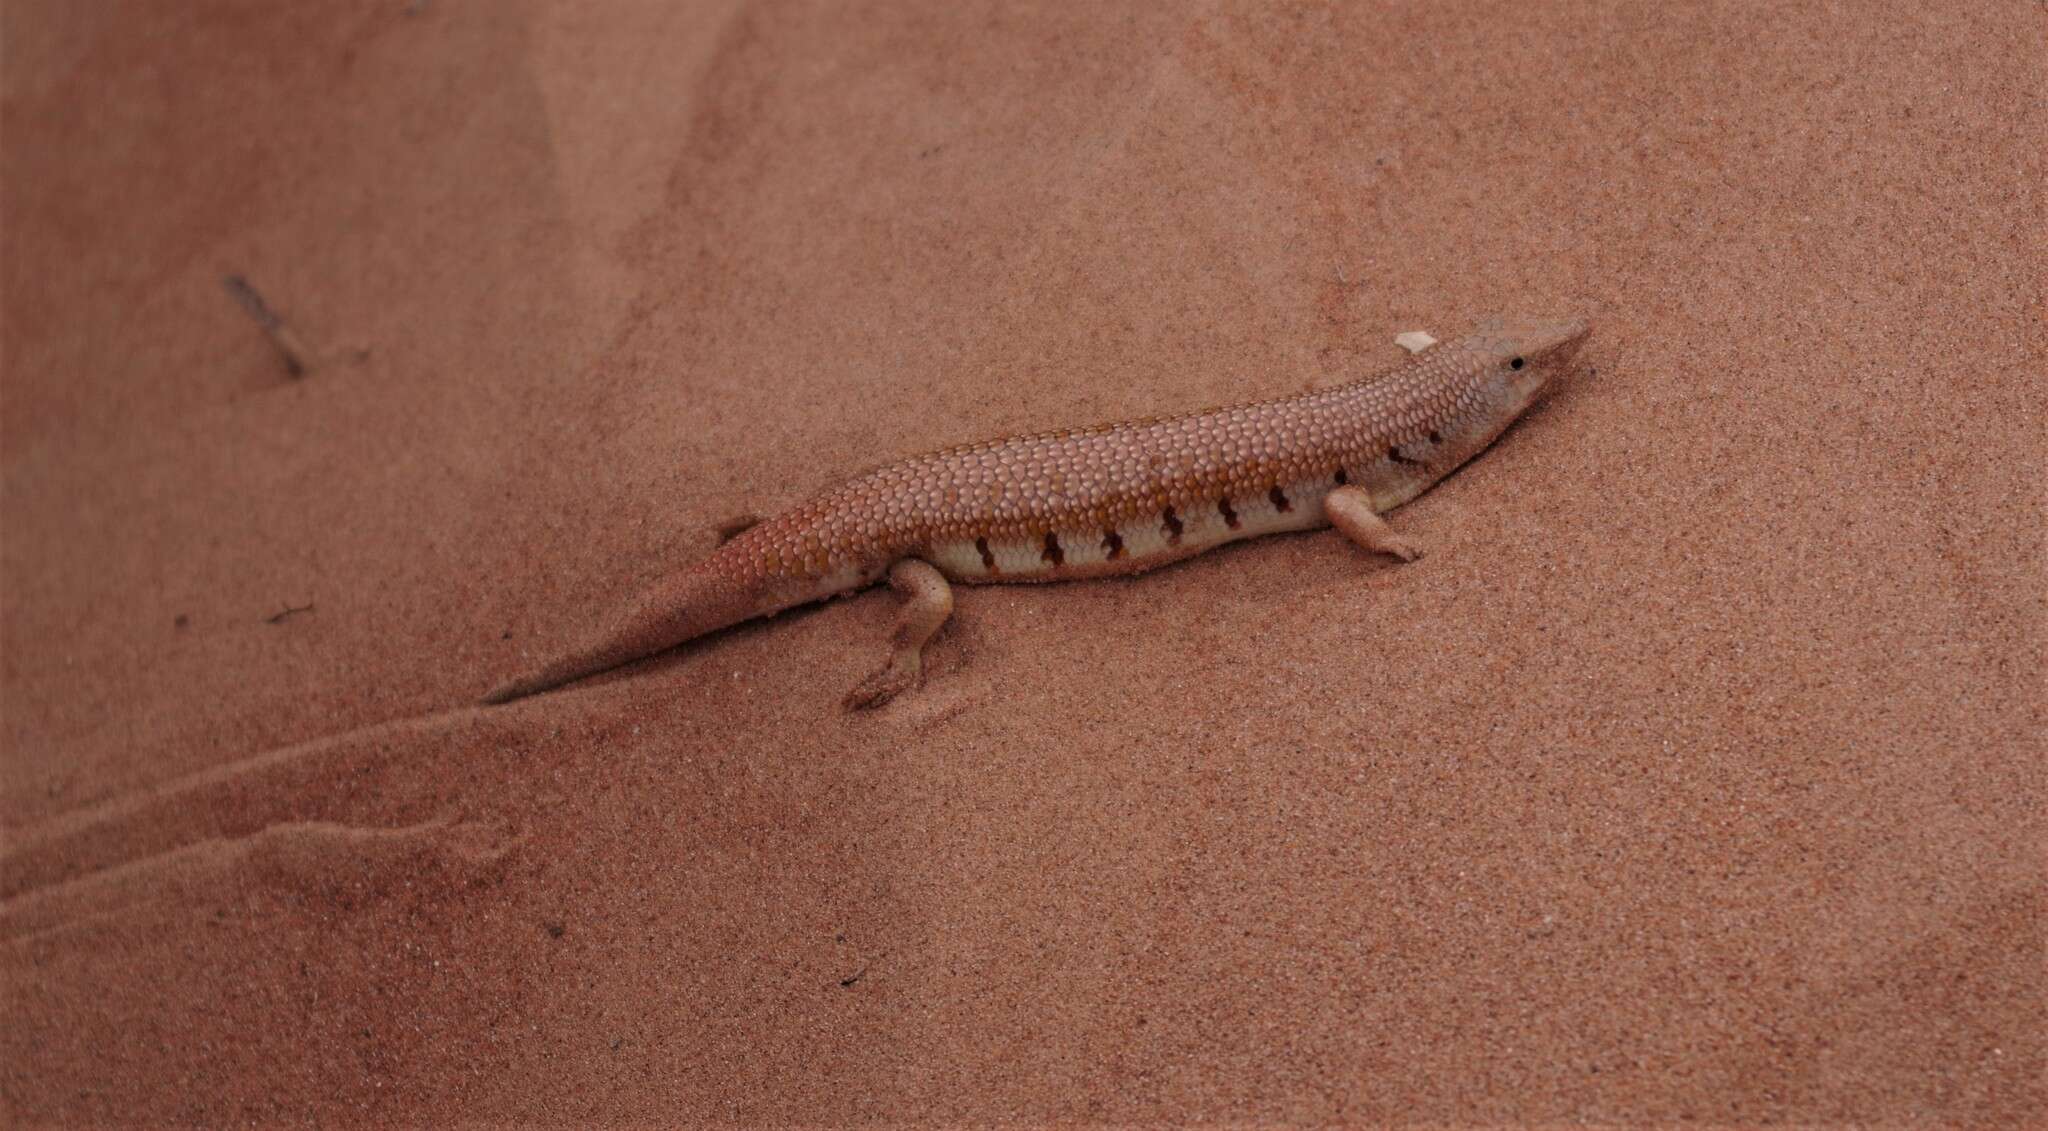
[(1571, 333)]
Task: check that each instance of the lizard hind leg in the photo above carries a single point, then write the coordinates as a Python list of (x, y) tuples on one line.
[(735, 526), (927, 602)]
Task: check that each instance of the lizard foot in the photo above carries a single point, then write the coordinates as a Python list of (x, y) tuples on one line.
[(894, 678), (1405, 549), (927, 602)]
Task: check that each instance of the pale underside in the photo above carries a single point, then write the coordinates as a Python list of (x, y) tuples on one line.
[(1135, 545)]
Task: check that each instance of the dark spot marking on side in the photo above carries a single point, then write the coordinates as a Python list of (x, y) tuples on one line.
[(988, 559), (1281, 502), (1395, 455), (1341, 478), (1053, 555), (1112, 544), (1173, 527), (1435, 437), (1229, 516)]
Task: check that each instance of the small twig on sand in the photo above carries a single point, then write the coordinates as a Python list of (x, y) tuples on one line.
[(278, 618), (297, 358)]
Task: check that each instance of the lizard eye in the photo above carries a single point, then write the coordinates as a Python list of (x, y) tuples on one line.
[(1517, 363)]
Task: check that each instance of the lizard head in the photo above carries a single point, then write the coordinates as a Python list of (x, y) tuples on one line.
[(1460, 396), (1523, 357)]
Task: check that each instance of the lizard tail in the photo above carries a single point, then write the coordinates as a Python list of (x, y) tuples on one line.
[(677, 609)]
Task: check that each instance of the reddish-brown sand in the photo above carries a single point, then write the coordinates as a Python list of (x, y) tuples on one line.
[(1696, 772)]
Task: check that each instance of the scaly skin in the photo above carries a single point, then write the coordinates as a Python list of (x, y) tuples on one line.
[(1092, 502)]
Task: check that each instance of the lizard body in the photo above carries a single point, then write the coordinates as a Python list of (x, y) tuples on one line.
[(1094, 502)]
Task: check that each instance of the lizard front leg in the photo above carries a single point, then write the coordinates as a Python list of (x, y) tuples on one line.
[(927, 602), (1350, 510)]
